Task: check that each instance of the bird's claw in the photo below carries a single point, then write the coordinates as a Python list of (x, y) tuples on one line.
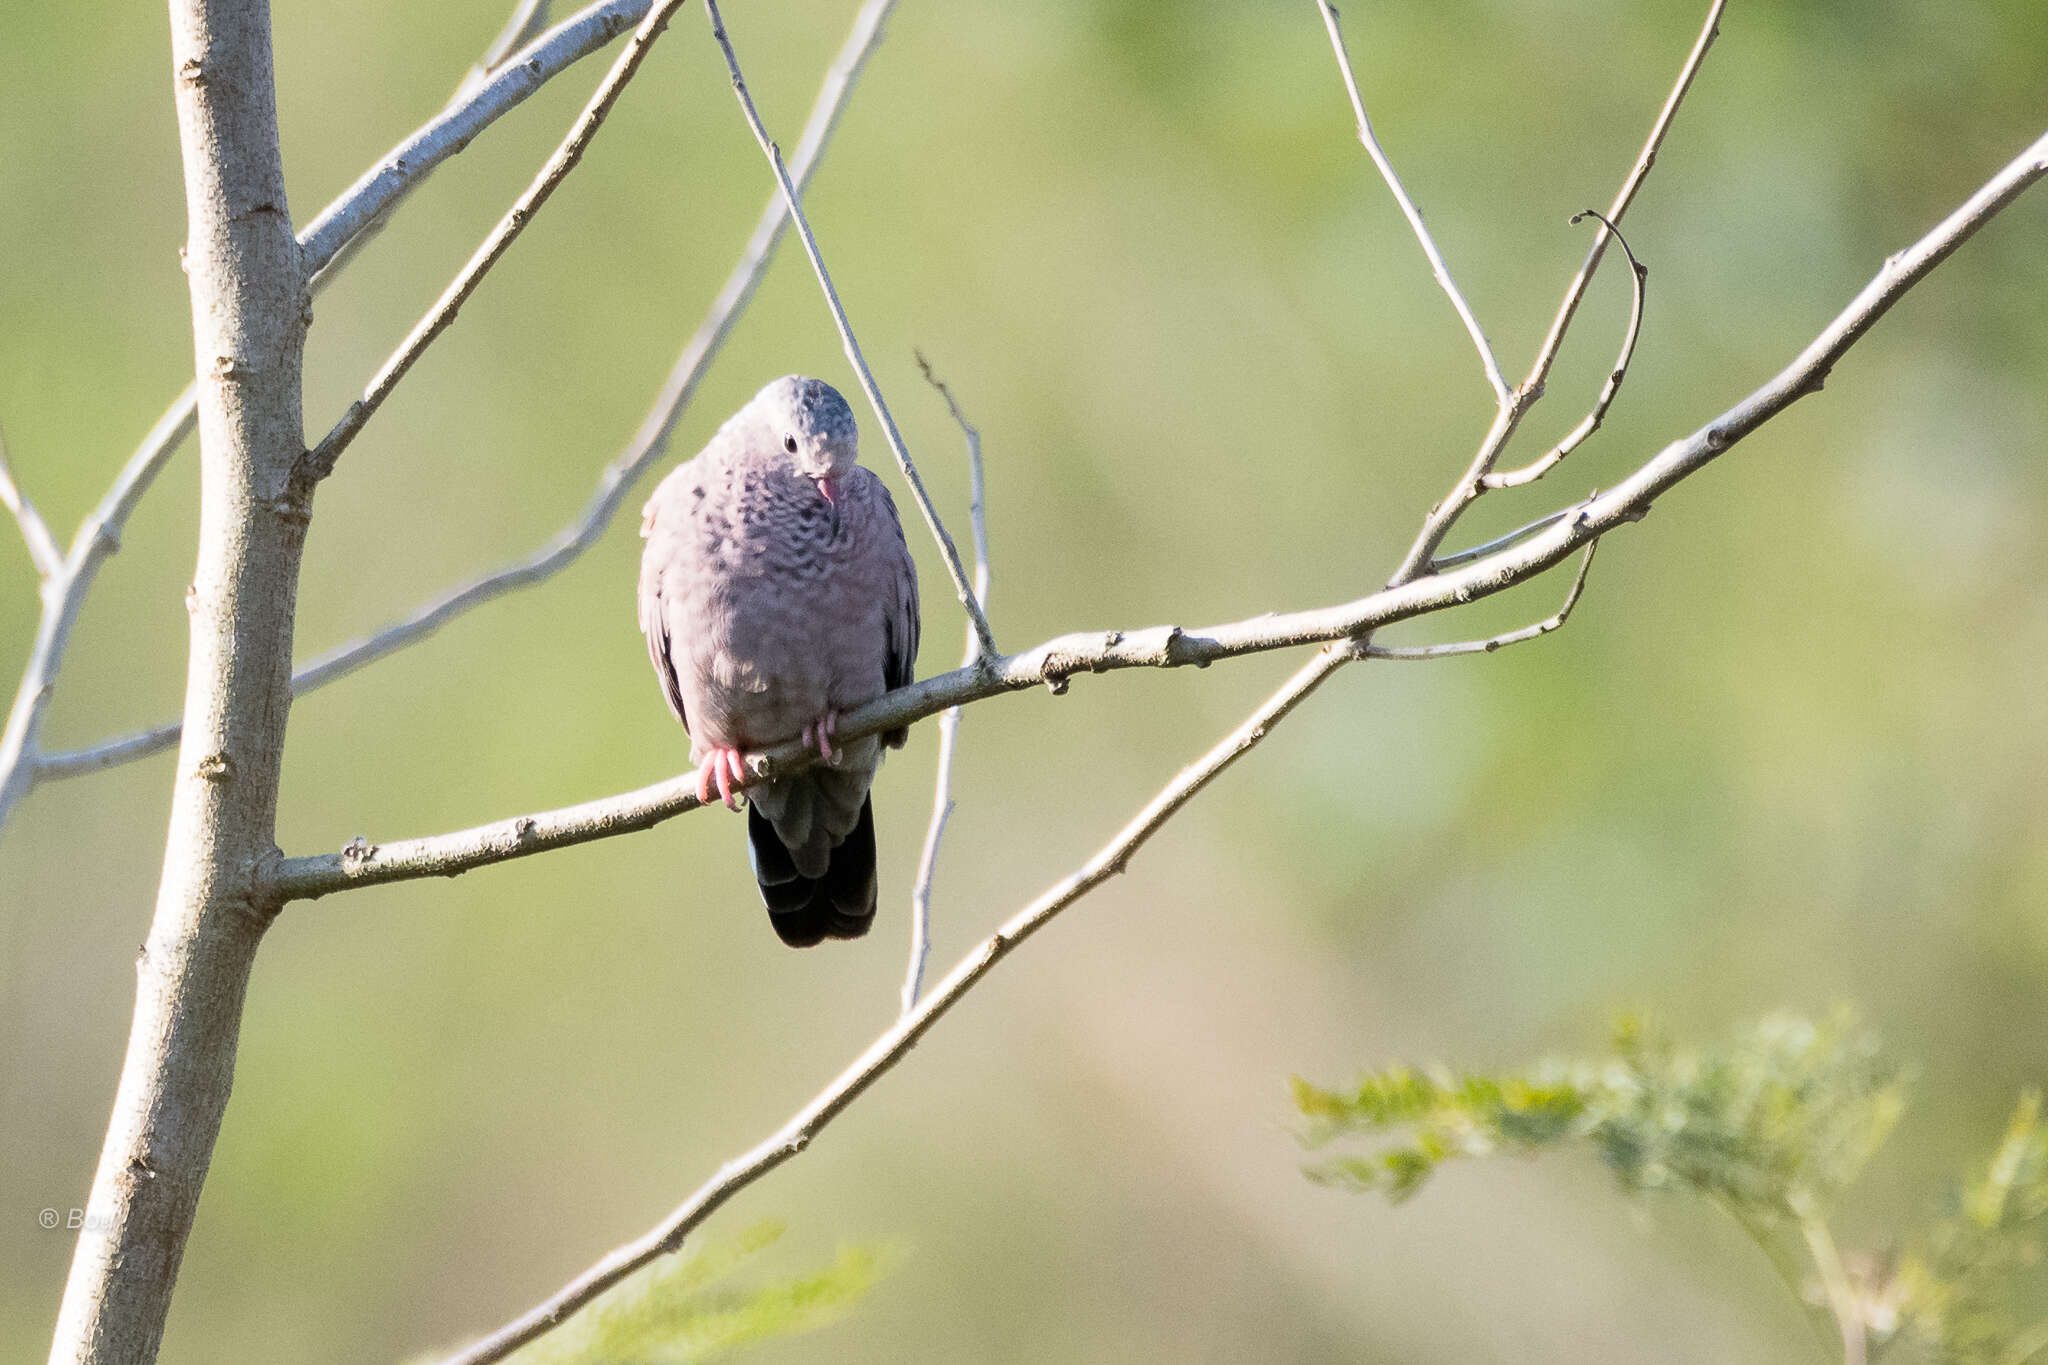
[(818, 735), (723, 767)]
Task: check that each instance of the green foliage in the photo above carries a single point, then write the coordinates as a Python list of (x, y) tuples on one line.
[(1958, 1298), (682, 1310), (1784, 1114), (1772, 1126)]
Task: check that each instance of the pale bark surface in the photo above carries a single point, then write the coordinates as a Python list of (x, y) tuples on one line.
[(249, 314)]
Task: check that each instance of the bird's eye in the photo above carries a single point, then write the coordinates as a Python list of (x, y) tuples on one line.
[(789, 444)]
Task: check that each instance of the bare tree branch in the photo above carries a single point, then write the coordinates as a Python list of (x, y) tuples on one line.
[(1446, 513), (1553, 341), (319, 461), (1638, 279), (961, 588), (1057, 661), (344, 224), (949, 720), (380, 188), (35, 532), (64, 597), (1494, 642), (892, 1046), (1371, 143), (108, 753), (647, 446)]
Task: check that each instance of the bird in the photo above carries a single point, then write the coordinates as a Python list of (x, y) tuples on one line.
[(776, 594)]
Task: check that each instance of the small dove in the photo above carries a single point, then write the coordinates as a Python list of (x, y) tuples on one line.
[(776, 594)]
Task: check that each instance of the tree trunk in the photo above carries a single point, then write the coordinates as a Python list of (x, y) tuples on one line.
[(249, 316)]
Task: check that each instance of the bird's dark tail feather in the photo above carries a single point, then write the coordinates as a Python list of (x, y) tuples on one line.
[(808, 910)]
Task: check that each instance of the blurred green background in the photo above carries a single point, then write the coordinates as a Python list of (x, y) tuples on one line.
[(1791, 750)]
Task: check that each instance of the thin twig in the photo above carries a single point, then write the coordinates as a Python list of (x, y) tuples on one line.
[(892, 1046), (353, 221), (976, 491), (1834, 1280), (1514, 537), (318, 462), (529, 17), (99, 535), (1789, 1271), (1055, 663), (1371, 143), (1496, 642), (961, 587), (35, 532), (647, 446), (949, 720), (1639, 277), (1575, 293), (1508, 419)]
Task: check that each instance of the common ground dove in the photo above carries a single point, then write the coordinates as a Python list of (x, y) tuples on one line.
[(776, 592)]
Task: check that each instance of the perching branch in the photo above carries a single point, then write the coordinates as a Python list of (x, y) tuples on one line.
[(947, 550), (1437, 267), (1445, 514), (889, 1049), (319, 461), (1056, 662), (647, 446), (949, 720)]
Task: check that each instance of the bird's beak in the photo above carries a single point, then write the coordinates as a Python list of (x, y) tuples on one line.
[(828, 489)]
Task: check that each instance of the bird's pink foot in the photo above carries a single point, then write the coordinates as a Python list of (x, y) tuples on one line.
[(818, 735), (723, 767)]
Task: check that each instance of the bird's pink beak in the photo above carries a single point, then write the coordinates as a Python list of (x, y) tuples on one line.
[(828, 488)]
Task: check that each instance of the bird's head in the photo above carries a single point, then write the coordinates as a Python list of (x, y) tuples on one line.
[(813, 427)]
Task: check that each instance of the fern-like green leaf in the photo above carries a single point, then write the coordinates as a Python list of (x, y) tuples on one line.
[(684, 1309)]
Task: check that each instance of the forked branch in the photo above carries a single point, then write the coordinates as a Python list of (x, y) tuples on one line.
[(337, 229), (1437, 524)]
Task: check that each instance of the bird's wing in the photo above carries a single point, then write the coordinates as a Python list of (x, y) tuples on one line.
[(901, 623), (662, 562)]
